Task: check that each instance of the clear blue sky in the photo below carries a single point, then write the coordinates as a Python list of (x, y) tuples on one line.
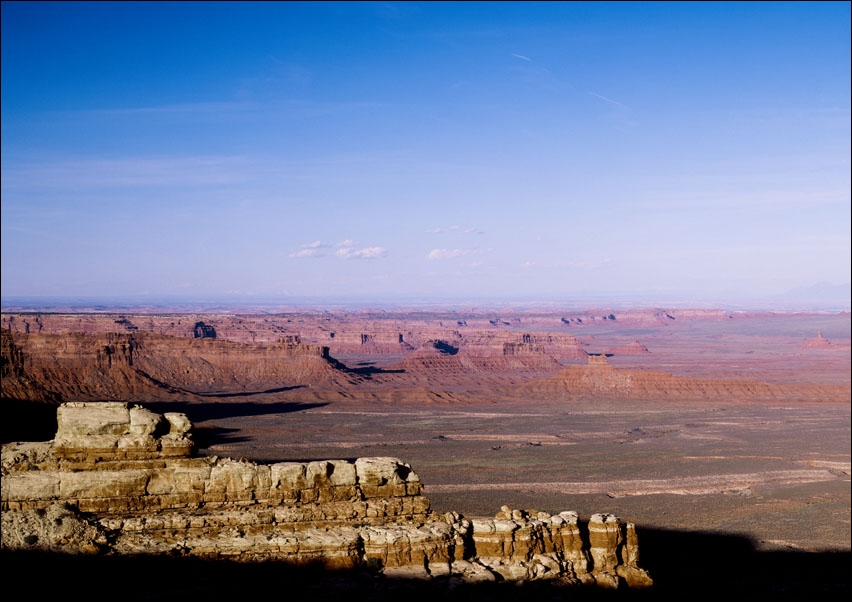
[(551, 151)]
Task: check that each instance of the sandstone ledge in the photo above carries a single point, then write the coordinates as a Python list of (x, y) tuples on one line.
[(123, 480)]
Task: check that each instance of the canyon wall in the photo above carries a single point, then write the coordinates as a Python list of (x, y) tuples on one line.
[(122, 480), (83, 367), (598, 379), (359, 333), (145, 366)]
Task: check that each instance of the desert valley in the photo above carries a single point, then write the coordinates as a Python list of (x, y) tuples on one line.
[(388, 301), (723, 436)]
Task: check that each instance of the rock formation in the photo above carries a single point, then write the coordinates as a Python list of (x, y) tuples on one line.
[(347, 333), (599, 379), (120, 479), (562, 347), (819, 342), (508, 363), (82, 367), (632, 348)]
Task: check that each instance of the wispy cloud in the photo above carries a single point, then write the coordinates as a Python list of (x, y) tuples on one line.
[(182, 109), (345, 249), (310, 249), (365, 253), (522, 57), (292, 108), (618, 112), (459, 229), (609, 100), (305, 253), (453, 253), (137, 172)]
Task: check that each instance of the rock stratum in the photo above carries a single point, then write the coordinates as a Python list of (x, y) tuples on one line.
[(85, 367), (365, 332), (146, 366), (599, 380), (122, 480)]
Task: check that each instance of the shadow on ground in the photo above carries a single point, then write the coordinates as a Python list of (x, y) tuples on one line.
[(250, 393), (216, 410), (684, 566), (27, 421), (36, 421), (198, 413)]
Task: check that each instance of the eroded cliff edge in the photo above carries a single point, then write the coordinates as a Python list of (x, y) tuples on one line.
[(120, 479)]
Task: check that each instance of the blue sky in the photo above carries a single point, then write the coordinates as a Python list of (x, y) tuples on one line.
[(435, 151)]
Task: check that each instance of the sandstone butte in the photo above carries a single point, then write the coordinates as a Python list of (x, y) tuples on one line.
[(122, 480)]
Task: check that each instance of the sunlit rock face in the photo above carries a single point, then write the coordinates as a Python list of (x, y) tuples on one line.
[(122, 479), (118, 366)]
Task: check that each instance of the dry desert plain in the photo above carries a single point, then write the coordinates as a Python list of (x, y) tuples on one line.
[(725, 436)]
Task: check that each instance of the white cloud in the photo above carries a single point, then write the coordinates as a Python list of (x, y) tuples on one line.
[(370, 252), (522, 57), (365, 253), (345, 249), (452, 253), (305, 253)]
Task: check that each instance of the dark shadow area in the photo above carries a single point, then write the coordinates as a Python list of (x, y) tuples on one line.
[(36, 421), (206, 436), (250, 393), (735, 572), (365, 369), (685, 564), (140, 578), (370, 370), (177, 390), (214, 410), (446, 348), (303, 459), (27, 420)]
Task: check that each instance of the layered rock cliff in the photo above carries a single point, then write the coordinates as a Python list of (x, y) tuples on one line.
[(599, 380), (351, 333), (122, 480), (507, 363), (81, 367), (632, 348)]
